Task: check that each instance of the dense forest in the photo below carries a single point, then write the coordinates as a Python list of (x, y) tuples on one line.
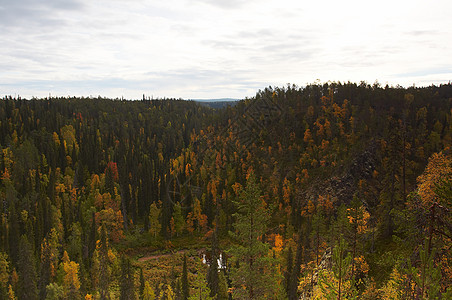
[(330, 191)]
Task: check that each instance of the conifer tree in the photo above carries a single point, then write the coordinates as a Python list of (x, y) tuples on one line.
[(185, 287), (289, 269), (223, 293), (255, 276), (341, 285), (27, 271), (178, 219), (293, 283), (200, 289), (127, 280), (142, 283), (104, 272), (212, 275)]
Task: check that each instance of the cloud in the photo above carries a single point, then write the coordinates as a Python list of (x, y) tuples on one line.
[(29, 14), (417, 33), (228, 4), (214, 48), (192, 83), (427, 72)]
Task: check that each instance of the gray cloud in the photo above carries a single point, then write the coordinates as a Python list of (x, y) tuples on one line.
[(35, 14)]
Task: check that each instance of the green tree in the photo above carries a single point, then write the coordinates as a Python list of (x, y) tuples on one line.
[(185, 286), (54, 292), (27, 271), (75, 242), (179, 222), (254, 276), (212, 275), (289, 269), (427, 276), (104, 271), (341, 285), (127, 280), (201, 290), (142, 284), (223, 293)]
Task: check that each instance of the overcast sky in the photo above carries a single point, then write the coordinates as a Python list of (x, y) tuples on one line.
[(217, 48)]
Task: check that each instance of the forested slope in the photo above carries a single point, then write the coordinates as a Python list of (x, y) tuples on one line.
[(334, 190)]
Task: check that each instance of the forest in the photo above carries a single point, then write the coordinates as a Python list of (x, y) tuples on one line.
[(328, 191)]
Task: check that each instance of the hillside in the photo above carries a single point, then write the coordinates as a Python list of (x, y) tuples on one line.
[(333, 190)]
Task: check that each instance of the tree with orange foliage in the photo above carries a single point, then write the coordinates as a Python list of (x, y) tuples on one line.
[(71, 282), (358, 217)]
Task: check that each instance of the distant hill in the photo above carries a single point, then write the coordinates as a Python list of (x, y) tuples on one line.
[(217, 103), (216, 100)]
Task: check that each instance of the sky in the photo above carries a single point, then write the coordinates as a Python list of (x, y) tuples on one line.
[(203, 49)]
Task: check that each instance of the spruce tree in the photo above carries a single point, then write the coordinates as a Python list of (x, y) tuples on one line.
[(27, 271), (212, 275), (293, 281), (185, 287), (142, 283), (127, 280), (289, 269), (104, 274)]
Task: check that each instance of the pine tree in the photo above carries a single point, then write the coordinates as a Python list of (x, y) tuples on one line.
[(255, 276), (200, 289), (341, 285), (427, 276)]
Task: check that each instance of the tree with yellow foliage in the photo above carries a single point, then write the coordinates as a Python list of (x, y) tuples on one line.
[(148, 292), (71, 282), (337, 283), (358, 217), (154, 224), (4, 274)]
